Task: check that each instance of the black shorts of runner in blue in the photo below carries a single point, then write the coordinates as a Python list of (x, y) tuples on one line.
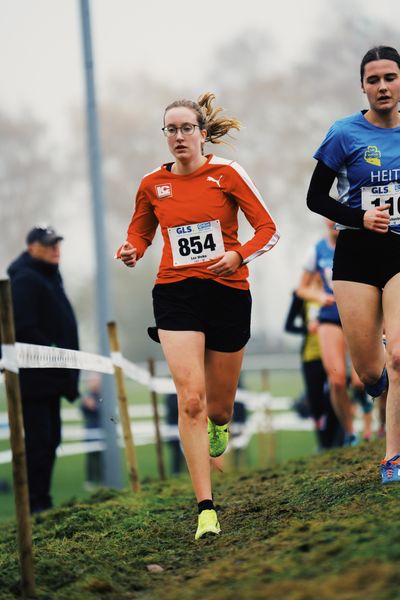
[(367, 257)]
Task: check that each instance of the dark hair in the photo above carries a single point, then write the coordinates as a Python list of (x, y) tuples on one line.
[(207, 116), (379, 53)]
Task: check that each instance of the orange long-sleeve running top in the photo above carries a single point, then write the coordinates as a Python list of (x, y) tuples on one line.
[(212, 193)]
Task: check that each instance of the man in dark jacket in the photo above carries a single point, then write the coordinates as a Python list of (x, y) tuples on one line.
[(43, 315)]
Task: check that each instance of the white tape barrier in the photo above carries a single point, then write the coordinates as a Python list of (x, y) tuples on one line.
[(34, 356), (137, 412), (81, 448), (160, 385), (163, 385), (9, 360), (145, 411), (23, 355), (144, 434), (131, 370), (254, 400), (69, 432), (64, 450), (31, 356)]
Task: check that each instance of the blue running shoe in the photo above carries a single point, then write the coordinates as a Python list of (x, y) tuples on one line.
[(350, 440), (390, 470)]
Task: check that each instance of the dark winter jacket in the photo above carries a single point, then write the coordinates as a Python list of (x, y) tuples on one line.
[(43, 315)]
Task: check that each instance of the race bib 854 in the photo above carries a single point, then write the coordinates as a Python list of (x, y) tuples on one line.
[(196, 243)]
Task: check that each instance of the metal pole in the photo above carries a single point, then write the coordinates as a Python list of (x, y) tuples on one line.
[(111, 456), (130, 450), (15, 419)]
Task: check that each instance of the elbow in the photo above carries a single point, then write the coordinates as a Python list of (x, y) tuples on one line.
[(315, 201), (300, 293), (275, 237), (310, 201), (273, 240)]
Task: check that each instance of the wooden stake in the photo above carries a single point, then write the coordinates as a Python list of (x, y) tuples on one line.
[(153, 395), (16, 424), (130, 451)]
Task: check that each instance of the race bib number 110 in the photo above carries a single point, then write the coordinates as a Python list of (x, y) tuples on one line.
[(196, 243), (375, 196)]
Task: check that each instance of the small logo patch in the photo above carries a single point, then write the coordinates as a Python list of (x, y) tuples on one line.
[(217, 181), (164, 191), (372, 155)]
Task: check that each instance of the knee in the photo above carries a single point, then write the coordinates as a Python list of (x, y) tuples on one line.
[(223, 416), (337, 381), (192, 405), (369, 377), (393, 359)]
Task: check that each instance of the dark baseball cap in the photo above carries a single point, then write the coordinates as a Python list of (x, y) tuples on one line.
[(44, 235)]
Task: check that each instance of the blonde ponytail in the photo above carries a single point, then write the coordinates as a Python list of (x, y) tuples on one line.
[(207, 117), (216, 126)]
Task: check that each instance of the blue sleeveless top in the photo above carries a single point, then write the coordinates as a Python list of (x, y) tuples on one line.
[(321, 261)]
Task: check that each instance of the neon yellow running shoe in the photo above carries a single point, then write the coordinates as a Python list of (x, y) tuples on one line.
[(219, 438), (207, 523)]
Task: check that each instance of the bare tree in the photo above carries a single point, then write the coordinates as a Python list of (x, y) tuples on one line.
[(28, 181)]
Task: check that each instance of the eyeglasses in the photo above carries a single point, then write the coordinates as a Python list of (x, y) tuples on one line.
[(185, 129)]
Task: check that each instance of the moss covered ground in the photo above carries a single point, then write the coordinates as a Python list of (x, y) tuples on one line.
[(315, 528)]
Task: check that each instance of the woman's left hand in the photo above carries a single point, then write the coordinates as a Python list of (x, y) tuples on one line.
[(227, 263)]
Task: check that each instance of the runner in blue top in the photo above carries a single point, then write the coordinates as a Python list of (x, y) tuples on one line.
[(363, 153), (320, 260), (318, 266), (364, 157)]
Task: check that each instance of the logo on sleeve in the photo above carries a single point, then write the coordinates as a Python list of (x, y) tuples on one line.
[(164, 190), (373, 156)]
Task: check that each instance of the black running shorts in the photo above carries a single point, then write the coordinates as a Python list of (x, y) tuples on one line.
[(329, 322), (221, 312), (365, 256)]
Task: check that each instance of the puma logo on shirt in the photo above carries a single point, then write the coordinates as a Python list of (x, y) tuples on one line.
[(217, 181)]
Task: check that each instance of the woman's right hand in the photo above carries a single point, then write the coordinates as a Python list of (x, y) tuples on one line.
[(128, 254), (377, 219)]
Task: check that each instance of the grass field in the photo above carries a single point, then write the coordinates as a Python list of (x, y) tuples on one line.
[(318, 528), (68, 479), (69, 472)]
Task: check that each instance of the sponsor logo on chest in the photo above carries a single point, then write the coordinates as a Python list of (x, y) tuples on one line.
[(164, 190), (373, 155)]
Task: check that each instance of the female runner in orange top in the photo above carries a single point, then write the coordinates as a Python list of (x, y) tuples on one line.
[(201, 298)]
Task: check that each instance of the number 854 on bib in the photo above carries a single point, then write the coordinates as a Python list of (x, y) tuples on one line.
[(196, 243)]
